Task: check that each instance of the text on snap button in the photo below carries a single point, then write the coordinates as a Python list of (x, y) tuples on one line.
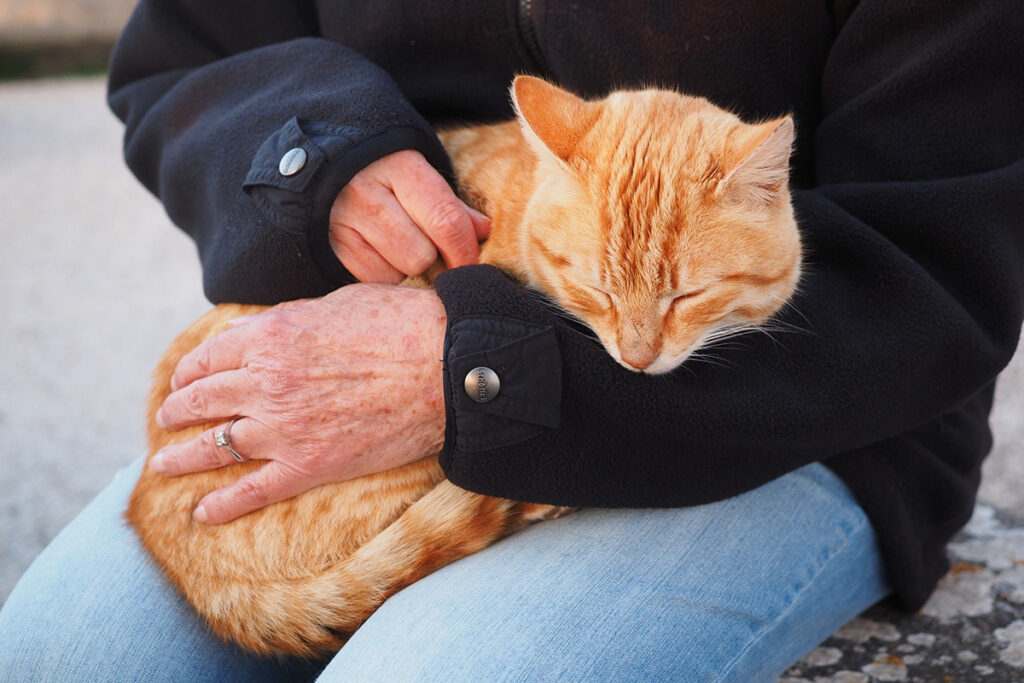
[(482, 384), (292, 161)]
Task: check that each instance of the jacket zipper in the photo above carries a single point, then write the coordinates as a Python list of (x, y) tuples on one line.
[(528, 33)]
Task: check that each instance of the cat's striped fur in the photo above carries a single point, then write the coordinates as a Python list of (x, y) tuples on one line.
[(657, 219)]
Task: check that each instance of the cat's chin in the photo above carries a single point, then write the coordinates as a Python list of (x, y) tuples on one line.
[(661, 365)]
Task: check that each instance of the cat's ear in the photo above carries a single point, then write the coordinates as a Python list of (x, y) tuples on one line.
[(554, 120), (762, 170)]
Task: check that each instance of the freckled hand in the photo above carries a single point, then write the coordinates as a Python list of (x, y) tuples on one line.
[(298, 379)]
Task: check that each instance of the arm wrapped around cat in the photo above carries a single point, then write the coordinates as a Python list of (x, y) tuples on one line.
[(658, 220)]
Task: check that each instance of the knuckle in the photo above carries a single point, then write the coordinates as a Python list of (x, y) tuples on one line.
[(275, 332), (363, 202), (274, 322), (195, 401), (202, 359), (273, 378), (251, 494), (446, 220), (356, 190), (347, 238)]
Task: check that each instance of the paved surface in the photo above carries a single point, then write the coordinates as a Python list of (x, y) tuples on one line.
[(95, 282), (971, 629)]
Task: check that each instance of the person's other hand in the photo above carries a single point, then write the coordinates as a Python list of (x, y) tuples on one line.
[(395, 215), (325, 390)]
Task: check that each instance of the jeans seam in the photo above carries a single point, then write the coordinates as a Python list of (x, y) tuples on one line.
[(762, 632)]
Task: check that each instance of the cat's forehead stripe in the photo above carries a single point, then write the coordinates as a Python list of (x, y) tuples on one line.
[(643, 226), (758, 280)]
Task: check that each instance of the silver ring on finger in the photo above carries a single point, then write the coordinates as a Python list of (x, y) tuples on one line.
[(223, 439)]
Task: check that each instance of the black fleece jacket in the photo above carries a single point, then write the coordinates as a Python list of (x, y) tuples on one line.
[(909, 191)]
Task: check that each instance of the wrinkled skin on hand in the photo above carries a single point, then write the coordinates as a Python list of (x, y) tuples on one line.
[(326, 390), (395, 215)]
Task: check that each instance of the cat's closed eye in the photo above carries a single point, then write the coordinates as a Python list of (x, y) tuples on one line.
[(691, 294), (675, 301), (603, 295)]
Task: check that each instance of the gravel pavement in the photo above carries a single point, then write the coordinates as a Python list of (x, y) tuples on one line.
[(95, 282)]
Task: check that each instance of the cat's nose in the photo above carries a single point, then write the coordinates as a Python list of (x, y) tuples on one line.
[(638, 343), (638, 358)]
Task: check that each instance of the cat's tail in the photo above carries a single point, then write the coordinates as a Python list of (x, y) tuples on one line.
[(316, 614)]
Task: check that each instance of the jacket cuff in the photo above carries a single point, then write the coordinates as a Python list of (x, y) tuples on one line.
[(300, 203), (521, 347)]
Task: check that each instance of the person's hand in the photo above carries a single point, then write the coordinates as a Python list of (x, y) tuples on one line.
[(395, 215), (326, 390)]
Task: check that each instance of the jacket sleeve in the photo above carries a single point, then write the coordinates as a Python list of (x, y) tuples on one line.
[(214, 95), (911, 302)]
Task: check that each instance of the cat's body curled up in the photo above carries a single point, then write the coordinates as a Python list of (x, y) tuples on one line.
[(659, 220)]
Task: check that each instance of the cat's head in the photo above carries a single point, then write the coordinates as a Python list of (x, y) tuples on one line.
[(659, 220)]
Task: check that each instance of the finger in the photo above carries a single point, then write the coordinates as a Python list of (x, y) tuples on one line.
[(360, 259), (428, 199), (481, 223), (202, 453), (371, 209), (269, 484), (217, 397), (223, 351)]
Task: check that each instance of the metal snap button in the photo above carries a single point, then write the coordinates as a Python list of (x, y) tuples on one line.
[(292, 161), (482, 384)]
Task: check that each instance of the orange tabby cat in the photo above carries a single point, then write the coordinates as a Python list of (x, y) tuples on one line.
[(656, 218)]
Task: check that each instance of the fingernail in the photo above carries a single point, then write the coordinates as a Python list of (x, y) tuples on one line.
[(200, 514), (160, 419), (156, 463), (481, 217)]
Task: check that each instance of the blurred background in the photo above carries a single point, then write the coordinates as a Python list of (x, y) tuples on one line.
[(44, 37), (95, 281)]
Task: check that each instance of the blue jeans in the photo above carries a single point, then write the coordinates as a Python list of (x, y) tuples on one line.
[(732, 591)]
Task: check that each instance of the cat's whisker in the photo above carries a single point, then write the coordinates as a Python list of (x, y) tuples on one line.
[(592, 337), (786, 304), (782, 326), (726, 346), (569, 317), (708, 358), (717, 337), (684, 366), (774, 327)]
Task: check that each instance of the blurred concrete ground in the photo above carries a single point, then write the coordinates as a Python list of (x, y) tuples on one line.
[(94, 281)]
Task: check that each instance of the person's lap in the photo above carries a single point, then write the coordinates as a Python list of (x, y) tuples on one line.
[(94, 607), (735, 590)]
